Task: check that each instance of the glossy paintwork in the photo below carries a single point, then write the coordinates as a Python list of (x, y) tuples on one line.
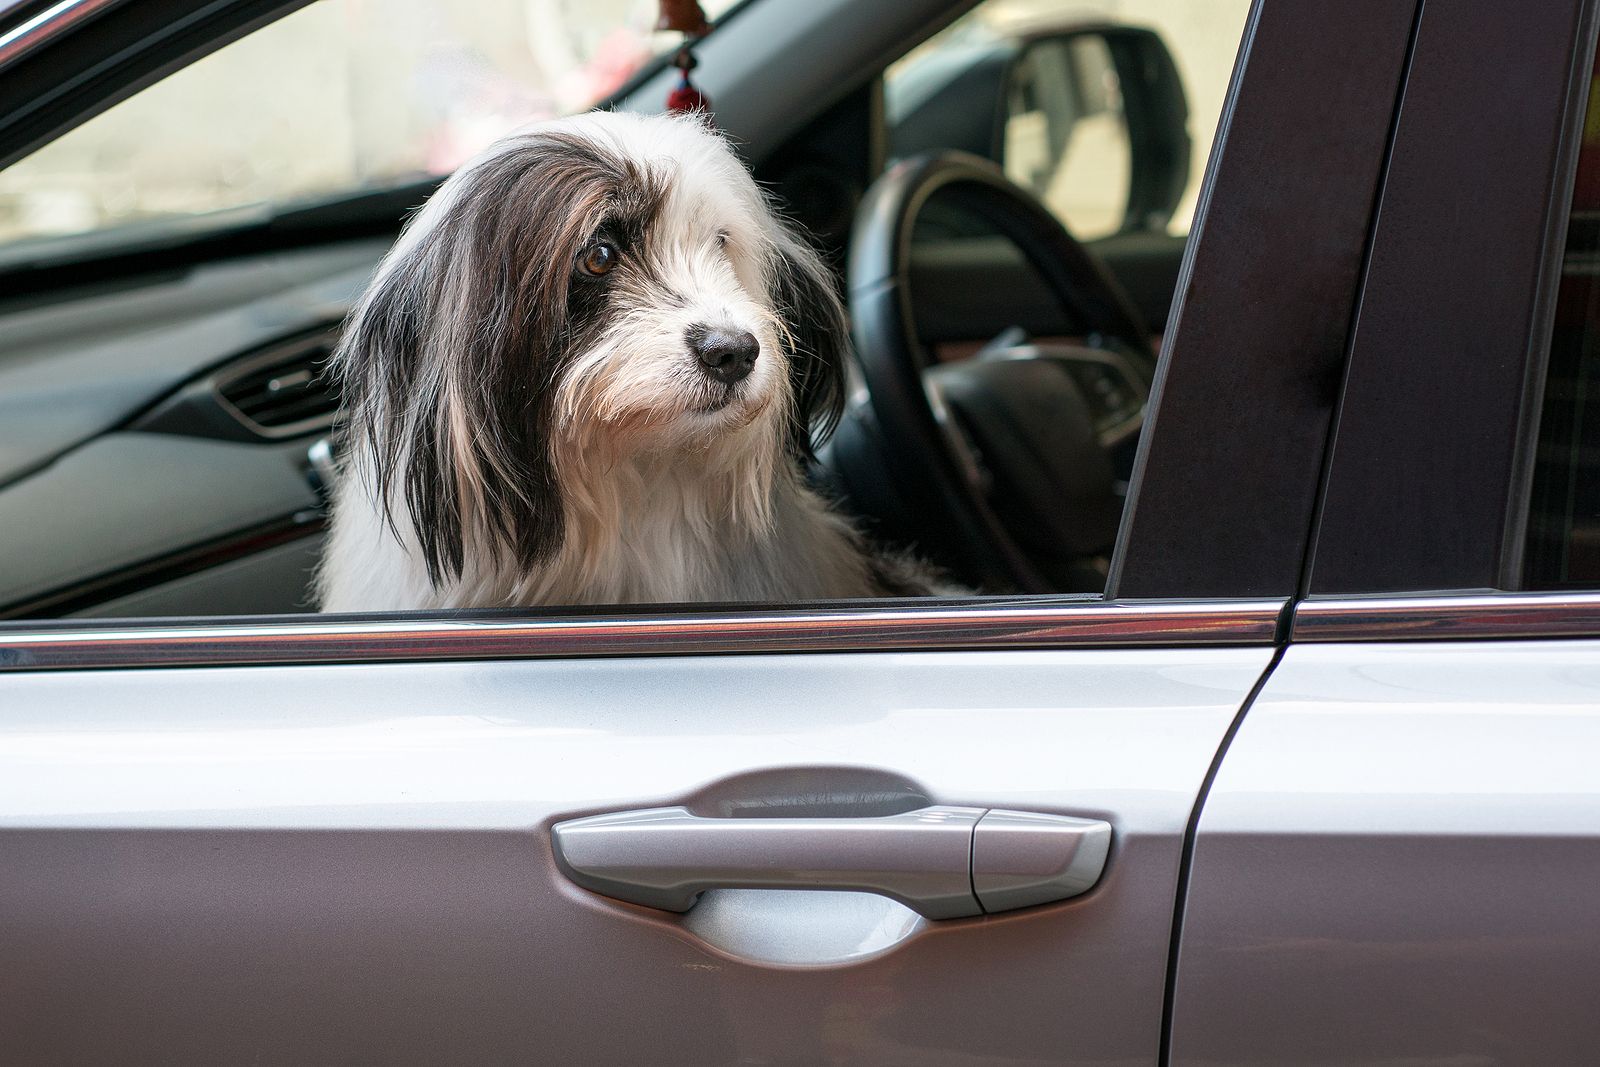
[(1399, 863), (351, 864)]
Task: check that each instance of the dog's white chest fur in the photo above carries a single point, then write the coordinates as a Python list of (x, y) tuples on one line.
[(656, 536)]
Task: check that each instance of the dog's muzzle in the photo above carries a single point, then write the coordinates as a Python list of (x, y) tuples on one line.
[(727, 355)]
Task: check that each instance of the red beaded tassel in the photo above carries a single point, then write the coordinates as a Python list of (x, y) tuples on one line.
[(685, 97), (685, 17)]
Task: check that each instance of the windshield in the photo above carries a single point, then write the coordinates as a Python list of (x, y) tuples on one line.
[(342, 97)]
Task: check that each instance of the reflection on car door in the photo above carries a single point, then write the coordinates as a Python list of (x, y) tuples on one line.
[(1397, 861), (1398, 858), (352, 862)]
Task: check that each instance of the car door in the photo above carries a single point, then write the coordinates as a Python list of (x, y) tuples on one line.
[(351, 839), (1397, 861)]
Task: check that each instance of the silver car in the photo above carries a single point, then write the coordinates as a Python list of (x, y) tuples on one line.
[(1270, 736)]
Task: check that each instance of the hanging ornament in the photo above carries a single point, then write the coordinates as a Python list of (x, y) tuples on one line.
[(684, 96), (685, 17)]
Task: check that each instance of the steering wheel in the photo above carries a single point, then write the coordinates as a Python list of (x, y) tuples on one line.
[(997, 466)]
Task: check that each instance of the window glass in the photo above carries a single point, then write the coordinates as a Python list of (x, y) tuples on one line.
[(1066, 128), (339, 97), (1563, 544), (198, 393)]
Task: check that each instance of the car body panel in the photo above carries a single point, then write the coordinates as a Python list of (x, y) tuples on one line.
[(352, 863), (1399, 862), (1396, 861)]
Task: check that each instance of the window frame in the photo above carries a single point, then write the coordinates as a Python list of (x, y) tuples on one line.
[(1231, 514), (1173, 553), (1430, 470)]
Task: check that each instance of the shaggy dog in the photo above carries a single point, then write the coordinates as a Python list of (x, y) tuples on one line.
[(590, 371)]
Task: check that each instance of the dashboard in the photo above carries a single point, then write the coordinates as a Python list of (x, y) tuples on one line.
[(154, 438)]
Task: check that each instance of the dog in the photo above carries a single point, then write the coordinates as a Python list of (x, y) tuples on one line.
[(591, 371)]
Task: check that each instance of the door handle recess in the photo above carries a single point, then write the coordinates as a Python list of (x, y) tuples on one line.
[(941, 862)]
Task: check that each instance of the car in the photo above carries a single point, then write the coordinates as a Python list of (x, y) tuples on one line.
[(1267, 738)]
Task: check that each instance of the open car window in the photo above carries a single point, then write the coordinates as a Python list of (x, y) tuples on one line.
[(163, 433)]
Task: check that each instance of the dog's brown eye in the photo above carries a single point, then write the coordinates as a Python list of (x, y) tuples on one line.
[(597, 259)]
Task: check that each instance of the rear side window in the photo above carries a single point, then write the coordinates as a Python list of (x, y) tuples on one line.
[(1563, 545)]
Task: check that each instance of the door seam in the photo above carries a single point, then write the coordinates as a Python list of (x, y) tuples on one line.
[(1186, 859)]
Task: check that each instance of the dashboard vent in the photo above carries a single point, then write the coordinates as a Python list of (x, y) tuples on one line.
[(284, 391)]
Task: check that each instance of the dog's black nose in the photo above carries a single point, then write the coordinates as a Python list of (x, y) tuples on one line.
[(727, 355)]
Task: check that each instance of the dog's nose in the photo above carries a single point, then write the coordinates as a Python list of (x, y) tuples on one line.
[(727, 355)]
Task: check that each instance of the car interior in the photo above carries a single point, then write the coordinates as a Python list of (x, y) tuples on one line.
[(1006, 201)]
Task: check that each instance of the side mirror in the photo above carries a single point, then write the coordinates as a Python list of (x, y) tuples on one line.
[(1094, 121), (1091, 118)]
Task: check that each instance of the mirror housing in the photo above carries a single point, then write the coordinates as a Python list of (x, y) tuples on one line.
[(967, 96)]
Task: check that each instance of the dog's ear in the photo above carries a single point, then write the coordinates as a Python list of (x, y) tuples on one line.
[(807, 298), (391, 420), (443, 389)]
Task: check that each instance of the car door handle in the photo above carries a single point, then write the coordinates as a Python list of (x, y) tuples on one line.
[(942, 862)]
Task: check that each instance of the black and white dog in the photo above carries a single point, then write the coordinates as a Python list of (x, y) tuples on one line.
[(589, 372)]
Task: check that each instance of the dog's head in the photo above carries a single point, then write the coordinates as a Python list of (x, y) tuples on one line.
[(585, 292)]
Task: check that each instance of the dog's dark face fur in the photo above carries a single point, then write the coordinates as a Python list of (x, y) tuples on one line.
[(600, 292)]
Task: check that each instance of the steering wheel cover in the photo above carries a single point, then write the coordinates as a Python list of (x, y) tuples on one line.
[(894, 360)]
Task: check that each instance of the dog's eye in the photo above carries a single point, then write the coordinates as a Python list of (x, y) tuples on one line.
[(722, 238), (598, 258)]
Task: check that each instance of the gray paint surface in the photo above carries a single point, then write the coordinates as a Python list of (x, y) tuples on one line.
[(1399, 863), (352, 863)]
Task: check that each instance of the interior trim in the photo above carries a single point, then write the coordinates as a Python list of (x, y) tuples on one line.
[(168, 568), (880, 627), (47, 25), (306, 347), (1471, 616)]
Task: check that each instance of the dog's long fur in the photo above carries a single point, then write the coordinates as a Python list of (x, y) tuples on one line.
[(519, 432)]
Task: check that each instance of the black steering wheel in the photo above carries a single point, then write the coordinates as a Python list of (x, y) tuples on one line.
[(998, 466)]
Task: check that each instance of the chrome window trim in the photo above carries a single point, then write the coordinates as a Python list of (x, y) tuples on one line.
[(877, 628), (1444, 616), (48, 24)]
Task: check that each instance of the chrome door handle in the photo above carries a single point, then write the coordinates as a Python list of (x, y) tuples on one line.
[(942, 862)]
